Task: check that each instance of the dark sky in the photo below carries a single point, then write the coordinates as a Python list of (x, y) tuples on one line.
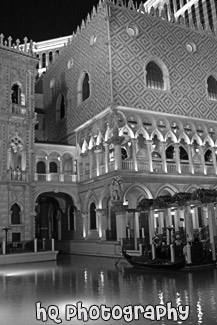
[(42, 19)]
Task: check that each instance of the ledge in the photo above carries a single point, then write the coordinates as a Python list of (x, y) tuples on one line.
[(28, 257)]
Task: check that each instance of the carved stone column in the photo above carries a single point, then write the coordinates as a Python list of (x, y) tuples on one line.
[(85, 225), (102, 223), (149, 150), (177, 158), (133, 142), (191, 166), (188, 223), (121, 220)]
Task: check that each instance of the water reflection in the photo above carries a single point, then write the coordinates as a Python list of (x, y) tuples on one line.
[(97, 281)]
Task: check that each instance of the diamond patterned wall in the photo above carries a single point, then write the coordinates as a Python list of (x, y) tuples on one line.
[(157, 39), (95, 61), (166, 41)]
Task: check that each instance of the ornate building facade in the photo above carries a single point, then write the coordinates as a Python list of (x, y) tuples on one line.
[(129, 113)]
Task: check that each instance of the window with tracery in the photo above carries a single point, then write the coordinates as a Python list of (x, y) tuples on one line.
[(212, 88), (154, 76)]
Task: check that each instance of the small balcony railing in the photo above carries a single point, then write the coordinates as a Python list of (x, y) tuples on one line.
[(17, 175), (55, 177)]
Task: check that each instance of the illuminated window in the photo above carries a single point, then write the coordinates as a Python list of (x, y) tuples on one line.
[(212, 88), (154, 76)]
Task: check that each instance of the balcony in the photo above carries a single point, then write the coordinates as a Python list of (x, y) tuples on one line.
[(17, 175), (55, 177)]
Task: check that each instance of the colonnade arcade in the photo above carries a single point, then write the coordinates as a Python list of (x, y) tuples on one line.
[(148, 145)]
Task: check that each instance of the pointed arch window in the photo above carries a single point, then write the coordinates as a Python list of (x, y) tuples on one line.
[(212, 88), (92, 216), (85, 87), (15, 214), (41, 168), (157, 75)]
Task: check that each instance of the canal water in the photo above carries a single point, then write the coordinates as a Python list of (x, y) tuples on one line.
[(79, 288)]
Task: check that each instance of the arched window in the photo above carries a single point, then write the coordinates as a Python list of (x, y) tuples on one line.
[(208, 156), (212, 88), (154, 76), (92, 216), (123, 153), (40, 168), (62, 107), (85, 87), (83, 90), (43, 63), (186, 18), (15, 214), (170, 152), (183, 155), (51, 57), (193, 13), (16, 94), (209, 11), (201, 13), (53, 167)]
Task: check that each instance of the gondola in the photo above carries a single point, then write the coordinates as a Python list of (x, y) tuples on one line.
[(156, 264)]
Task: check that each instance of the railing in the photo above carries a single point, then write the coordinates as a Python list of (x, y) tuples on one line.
[(18, 109), (54, 177), (127, 165), (171, 167), (143, 165), (17, 175), (157, 167), (185, 168), (38, 245)]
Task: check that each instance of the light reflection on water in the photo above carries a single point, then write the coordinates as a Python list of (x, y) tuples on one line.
[(97, 281)]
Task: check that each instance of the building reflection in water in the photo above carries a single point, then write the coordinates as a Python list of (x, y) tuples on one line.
[(97, 281)]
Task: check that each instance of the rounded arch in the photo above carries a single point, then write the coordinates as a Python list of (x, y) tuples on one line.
[(171, 189), (69, 191), (156, 65)]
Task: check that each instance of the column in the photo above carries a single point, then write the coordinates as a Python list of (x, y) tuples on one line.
[(191, 166), (121, 220), (106, 157), (98, 161), (214, 159), (133, 142), (102, 222), (85, 225), (188, 223), (177, 220), (84, 156), (161, 221), (212, 229), (149, 150), (202, 160), (177, 158), (91, 163), (163, 152), (169, 226), (78, 169)]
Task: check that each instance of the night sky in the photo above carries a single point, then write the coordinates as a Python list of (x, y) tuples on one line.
[(41, 20)]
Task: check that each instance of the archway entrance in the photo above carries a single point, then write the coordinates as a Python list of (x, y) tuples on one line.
[(55, 215)]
